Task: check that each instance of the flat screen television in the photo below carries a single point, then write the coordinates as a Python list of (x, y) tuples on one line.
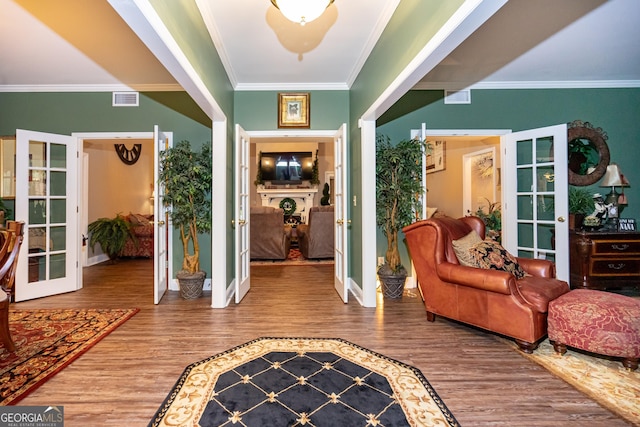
[(286, 167)]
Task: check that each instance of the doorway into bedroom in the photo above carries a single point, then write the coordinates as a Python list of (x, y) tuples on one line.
[(467, 176), (115, 187)]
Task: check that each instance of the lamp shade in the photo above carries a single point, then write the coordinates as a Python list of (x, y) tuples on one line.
[(301, 11), (612, 177)]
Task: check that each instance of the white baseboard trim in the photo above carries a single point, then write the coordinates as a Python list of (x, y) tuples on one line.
[(231, 291), (411, 283), (356, 291), (97, 259)]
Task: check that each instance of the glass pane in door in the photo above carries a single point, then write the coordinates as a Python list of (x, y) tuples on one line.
[(535, 198), (47, 211)]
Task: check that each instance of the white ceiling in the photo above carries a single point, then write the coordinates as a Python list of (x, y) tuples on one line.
[(85, 45)]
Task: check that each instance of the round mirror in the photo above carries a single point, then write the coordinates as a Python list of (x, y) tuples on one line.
[(588, 153)]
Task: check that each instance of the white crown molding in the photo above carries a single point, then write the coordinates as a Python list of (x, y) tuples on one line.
[(580, 84), (93, 88), (207, 16), (291, 86), (143, 19), (383, 20)]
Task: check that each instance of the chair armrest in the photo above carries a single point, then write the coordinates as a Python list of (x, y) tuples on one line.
[(490, 280), (538, 267), (302, 229)]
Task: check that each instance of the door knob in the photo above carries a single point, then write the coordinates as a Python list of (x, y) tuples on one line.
[(561, 219)]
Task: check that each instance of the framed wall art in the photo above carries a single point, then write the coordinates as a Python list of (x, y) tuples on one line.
[(293, 110), (436, 151)]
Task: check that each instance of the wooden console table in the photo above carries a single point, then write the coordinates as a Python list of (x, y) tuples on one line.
[(604, 260)]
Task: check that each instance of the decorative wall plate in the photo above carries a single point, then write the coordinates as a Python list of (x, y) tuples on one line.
[(127, 156)]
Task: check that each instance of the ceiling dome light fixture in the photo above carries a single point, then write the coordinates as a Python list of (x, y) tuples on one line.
[(301, 11)]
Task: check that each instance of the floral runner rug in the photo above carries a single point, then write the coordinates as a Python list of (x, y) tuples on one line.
[(601, 378), (47, 341), (302, 382)]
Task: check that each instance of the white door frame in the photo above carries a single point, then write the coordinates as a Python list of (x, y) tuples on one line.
[(292, 134), (83, 188)]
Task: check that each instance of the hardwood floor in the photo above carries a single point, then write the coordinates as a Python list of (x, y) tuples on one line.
[(123, 379)]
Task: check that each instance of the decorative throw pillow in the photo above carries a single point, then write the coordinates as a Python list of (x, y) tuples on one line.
[(491, 255), (137, 219), (430, 212), (462, 248)]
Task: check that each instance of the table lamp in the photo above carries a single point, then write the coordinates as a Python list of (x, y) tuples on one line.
[(612, 178)]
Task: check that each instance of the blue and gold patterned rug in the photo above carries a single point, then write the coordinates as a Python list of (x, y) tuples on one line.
[(302, 382)]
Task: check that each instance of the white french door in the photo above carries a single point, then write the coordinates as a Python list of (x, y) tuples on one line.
[(340, 211), (161, 142), (243, 256), (535, 186), (47, 201)]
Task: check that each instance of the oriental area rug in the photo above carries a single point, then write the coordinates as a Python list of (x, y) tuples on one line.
[(49, 340), (295, 258), (601, 378), (302, 382)]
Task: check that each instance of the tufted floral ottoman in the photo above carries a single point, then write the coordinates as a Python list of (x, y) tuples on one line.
[(598, 322)]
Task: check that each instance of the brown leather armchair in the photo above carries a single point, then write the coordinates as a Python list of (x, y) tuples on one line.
[(317, 238), (270, 238), (490, 299)]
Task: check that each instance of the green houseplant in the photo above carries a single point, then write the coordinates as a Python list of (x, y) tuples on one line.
[(259, 180), (580, 204), (326, 195), (492, 219), (315, 173), (111, 234), (186, 175), (398, 190)]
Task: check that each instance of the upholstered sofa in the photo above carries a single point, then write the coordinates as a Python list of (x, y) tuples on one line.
[(489, 298), (316, 239), (142, 227), (270, 238)]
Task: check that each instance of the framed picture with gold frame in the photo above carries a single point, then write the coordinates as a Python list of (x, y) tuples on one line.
[(293, 110)]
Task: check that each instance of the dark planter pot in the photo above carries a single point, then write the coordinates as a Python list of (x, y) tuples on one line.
[(576, 221), (392, 283), (191, 284)]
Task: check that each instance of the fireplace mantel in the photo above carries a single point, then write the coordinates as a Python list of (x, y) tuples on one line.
[(302, 196)]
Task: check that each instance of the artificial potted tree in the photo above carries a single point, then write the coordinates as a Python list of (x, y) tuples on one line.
[(111, 234), (186, 176), (398, 191)]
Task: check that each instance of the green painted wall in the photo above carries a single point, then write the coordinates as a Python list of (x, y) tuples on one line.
[(184, 22), (258, 110), (616, 111), (413, 24), (186, 26), (64, 113)]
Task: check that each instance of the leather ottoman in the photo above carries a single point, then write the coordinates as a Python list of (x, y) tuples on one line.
[(596, 321)]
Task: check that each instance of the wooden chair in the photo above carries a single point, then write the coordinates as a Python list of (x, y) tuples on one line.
[(9, 250)]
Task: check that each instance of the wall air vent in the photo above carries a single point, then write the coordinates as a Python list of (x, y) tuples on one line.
[(457, 96), (125, 99)]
